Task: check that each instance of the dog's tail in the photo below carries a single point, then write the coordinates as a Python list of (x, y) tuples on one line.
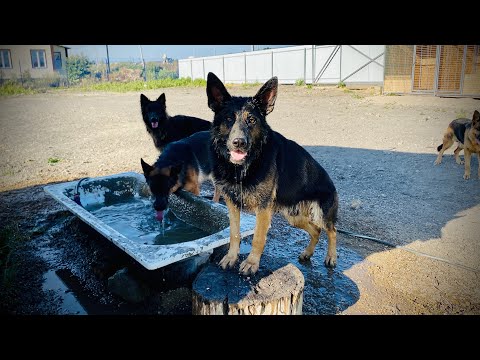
[(439, 147)]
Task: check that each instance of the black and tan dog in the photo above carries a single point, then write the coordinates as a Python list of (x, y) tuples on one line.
[(184, 164), (165, 129), (258, 169), (466, 133)]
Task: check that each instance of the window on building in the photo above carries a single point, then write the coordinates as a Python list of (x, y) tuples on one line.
[(38, 59), (57, 60), (5, 59)]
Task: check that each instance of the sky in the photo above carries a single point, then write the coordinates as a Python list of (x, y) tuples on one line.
[(155, 52)]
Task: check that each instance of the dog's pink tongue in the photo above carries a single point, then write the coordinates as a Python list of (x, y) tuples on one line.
[(159, 215), (154, 125), (237, 155)]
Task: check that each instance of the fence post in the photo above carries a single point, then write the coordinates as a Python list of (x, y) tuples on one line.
[(108, 64), (245, 62), (341, 47), (21, 75), (272, 63), (191, 69), (305, 65), (313, 65), (223, 67)]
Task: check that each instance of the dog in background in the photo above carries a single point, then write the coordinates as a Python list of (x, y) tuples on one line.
[(260, 170), (466, 133), (184, 164), (165, 129)]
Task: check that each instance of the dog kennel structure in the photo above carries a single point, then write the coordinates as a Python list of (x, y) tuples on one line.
[(441, 70)]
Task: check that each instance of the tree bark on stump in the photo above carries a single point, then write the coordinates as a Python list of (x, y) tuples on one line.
[(268, 292)]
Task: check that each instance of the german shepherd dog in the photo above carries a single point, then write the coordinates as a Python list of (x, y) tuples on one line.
[(164, 128), (260, 170), (466, 133), (184, 164)]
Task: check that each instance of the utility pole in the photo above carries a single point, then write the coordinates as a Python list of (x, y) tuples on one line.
[(143, 62), (253, 48), (108, 65)]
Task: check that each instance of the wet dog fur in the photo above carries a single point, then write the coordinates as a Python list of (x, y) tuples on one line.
[(258, 169), (183, 164)]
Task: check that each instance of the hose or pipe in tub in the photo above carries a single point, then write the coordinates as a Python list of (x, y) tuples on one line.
[(76, 195)]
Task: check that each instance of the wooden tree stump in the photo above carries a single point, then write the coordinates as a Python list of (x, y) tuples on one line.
[(268, 292)]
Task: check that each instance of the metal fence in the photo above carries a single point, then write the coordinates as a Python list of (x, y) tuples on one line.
[(312, 64)]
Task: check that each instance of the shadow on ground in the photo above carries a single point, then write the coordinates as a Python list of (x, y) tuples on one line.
[(395, 196)]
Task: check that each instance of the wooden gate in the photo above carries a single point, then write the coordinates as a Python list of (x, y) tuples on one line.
[(446, 69)]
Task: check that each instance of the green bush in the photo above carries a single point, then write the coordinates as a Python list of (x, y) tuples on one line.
[(300, 82), (12, 87), (78, 67)]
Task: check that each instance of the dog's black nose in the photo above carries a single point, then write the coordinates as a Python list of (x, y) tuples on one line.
[(239, 142)]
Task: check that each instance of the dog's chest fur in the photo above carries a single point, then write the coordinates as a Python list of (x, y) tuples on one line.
[(247, 191)]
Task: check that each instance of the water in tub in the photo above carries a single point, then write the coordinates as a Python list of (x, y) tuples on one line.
[(135, 219)]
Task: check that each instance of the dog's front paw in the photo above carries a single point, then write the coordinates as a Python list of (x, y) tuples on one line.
[(437, 162), (249, 266), (466, 176), (330, 261), (228, 261), (460, 162), (304, 256)]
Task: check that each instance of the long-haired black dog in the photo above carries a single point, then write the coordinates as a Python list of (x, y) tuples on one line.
[(259, 169), (165, 129)]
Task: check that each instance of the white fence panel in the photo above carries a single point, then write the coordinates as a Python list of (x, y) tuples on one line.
[(327, 64), (214, 65), (197, 69), (259, 67), (289, 66), (184, 69), (235, 68)]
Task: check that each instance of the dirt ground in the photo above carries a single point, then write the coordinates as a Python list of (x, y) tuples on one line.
[(379, 151)]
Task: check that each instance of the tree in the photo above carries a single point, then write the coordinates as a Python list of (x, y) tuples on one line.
[(78, 67)]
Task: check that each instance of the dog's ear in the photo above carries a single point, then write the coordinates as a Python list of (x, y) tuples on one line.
[(476, 117), (266, 96), (161, 99), (143, 100), (216, 92), (147, 169)]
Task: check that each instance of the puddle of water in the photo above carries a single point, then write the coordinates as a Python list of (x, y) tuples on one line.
[(135, 218), (69, 303)]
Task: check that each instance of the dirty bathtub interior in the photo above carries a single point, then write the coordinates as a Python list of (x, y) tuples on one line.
[(120, 208)]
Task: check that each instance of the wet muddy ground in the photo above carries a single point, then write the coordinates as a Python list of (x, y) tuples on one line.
[(379, 151)]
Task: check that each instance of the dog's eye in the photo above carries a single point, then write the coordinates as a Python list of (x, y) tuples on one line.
[(251, 121)]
